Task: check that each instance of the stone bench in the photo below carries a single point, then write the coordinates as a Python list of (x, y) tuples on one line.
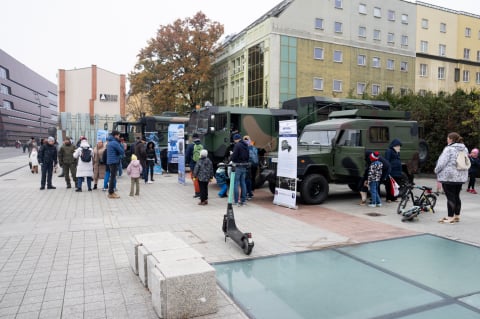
[(182, 283)]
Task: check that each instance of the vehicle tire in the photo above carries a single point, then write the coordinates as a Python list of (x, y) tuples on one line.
[(433, 201), (403, 203), (172, 168), (422, 151), (353, 187), (259, 181), (247, 249), (314, 189)]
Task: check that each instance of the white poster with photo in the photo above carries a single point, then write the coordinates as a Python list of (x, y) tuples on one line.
[(176, 149), (286, 183)]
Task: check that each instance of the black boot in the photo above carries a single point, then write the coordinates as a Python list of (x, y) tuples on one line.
[(94, 186)]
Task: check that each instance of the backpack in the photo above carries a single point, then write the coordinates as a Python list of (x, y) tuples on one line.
[(196, 152), (86, 155), (253, 155), (463, 161)]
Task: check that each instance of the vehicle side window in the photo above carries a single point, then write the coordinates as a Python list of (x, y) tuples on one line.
[(350, 138), (379, 134), (220, 122)]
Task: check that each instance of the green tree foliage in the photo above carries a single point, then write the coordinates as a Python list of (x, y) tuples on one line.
[(175, 69), (440, 114)]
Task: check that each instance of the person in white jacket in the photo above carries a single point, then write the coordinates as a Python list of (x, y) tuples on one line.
[(451, 177), (84, 154)]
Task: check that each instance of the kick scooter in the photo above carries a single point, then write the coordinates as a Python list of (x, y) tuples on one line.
[(244, 240)]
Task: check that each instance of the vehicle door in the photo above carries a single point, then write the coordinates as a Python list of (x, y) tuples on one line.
[(220, 134), (349, 154)]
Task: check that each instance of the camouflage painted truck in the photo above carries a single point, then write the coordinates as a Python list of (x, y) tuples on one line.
[(215, 125), (333, 151)]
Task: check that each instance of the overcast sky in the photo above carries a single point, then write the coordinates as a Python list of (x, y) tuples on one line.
[(47, 35)]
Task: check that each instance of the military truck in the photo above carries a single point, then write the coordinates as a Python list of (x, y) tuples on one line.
[(216, 124), (333, 151)]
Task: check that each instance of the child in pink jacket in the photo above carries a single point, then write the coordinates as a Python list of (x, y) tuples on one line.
[(134, 170)]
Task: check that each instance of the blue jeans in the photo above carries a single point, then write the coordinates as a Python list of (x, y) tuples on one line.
[(240, 175), (106, 178), (374, 193), (223, 190), (80, 181)]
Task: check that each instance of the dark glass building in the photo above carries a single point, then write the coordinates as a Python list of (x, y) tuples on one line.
[(28, 103)]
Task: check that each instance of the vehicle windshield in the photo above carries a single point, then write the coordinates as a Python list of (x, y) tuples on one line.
[(198, 122), (323, 138)]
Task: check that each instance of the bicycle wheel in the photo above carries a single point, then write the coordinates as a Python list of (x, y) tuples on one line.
[(433, 200), (403, 203)]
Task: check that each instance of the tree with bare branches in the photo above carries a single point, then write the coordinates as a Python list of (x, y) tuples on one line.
[(175, 69), (138, 105)]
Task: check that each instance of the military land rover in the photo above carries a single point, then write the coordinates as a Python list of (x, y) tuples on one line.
[(333, 151)]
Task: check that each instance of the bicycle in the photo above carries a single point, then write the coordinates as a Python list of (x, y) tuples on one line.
[(424, 202)]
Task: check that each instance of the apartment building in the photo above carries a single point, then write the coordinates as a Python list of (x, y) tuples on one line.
[(341, 48), (448, 50), (28, 103)]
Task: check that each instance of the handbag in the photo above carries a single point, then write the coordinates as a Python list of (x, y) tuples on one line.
[(394, 187)]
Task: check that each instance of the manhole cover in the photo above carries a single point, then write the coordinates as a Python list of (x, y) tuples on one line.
[(374, 214)]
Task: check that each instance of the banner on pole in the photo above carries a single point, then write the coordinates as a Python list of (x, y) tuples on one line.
[(286, 183), (176, 149)]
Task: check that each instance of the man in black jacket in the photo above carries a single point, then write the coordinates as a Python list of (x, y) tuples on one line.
[(47, 158), (240, 157)]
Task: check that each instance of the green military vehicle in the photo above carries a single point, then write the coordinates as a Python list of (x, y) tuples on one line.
[(216, 124), (333, 151)]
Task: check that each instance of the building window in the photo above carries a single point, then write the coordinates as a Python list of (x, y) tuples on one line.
[(389, 89), (255, 85), (423, 70), (375, 89), (338, 27), (375, 62), (338, 4), (424, 46), (404, 66), (362, 32), (319, 24), (441, 73), (468, 32), (3, 73), (477, 77), (442, 49), (362, 59), (466, 76), (391, 15), (376, 35), (318, 53), (403, 91), (7, 105), (478, 56), (390, 64), (361, 86), (4, 89), (337, 85), (405, 40), (390, 37), (466, 54), (422, 92), (424, 23), (362, 8), (443, 27), (377, 12), (318, 84), (288, 69), (337, 56), (405, 18)]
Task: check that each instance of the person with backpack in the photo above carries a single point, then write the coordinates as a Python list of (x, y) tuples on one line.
[(84, 156), (252, 167), (452, 177), (239, 158), (192, 156), (67, 162)]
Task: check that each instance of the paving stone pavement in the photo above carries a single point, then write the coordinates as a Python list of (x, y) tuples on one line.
[(63, 254)]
